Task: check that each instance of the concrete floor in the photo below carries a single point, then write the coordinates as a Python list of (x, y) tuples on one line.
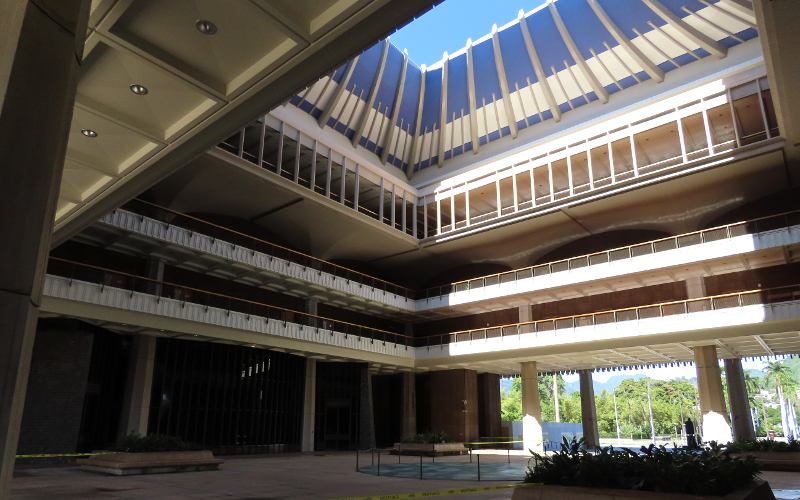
[(330, 475)]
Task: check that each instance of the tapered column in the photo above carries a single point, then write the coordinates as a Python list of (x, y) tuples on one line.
[(309, 405), (409, 404), (139, 385), (713, 412), (591, 436), (531, 408), (366, 437), (742, 420), (39, 65)]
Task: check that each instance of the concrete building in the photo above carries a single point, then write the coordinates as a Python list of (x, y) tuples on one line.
[(273, 233)]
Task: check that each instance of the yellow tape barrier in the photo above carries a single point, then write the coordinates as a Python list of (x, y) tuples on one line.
[(496, 442), (444, 492), (64, 455)]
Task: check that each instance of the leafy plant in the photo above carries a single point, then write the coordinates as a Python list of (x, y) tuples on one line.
[(710, 471), (428, 438), (134, 443), (764, 445)]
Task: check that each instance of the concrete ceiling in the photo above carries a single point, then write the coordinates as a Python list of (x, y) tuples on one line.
[(199, 86)]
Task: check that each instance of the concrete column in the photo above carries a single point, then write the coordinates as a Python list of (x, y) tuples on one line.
[(525, 313), (489, 405), (39, 65), (531, 408), (695, 287), (740, 405), (309, 405), (591, 436), (712, 401), (311, 305), (366, 437), (138, 386), (409, 404)]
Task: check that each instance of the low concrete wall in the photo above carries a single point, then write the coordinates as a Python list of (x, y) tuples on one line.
[(127, 464), (759, 491)]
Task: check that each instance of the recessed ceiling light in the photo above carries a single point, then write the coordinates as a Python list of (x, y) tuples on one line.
[(89, 132), (205, 26), (138, 89)]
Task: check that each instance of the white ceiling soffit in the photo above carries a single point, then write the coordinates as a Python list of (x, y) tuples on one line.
[(197, 87)]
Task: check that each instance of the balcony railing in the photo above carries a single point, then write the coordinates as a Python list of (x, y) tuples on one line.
[(753, 226), (686, 133), (105, 277), (169, 216), (660, 310)]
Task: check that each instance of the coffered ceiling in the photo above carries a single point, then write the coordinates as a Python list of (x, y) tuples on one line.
[(162, 81)]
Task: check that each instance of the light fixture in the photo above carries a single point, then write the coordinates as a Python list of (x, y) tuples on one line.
[(138, 89), (205, 26), (89, 132)]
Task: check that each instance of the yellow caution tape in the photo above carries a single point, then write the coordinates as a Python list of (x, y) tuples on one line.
[(64, 455), (496, 442), (445, 492)]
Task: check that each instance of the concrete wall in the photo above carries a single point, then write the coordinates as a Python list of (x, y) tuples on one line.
[(62, 355), (454, 403)]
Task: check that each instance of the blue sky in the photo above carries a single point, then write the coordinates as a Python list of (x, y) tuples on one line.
[(447, 26)]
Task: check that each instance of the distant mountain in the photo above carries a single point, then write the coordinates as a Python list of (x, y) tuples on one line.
[(609, 385)]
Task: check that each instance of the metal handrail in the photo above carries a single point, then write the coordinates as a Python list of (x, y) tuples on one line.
[(323, 322), (713, 302), (587, 258), (385, 285)]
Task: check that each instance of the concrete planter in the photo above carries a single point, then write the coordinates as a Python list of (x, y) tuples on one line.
[(128, 464), (434, 449), (759, 491), (775, 460)]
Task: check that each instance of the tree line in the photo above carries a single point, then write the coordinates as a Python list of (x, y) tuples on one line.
[(772, 395)]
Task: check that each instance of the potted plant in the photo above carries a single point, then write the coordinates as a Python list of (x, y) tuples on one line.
[(151, 454), (653, 473)]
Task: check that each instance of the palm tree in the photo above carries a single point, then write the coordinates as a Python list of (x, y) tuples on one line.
[(783, 379)]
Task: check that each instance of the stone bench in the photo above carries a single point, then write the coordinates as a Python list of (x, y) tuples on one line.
[(128, 464)]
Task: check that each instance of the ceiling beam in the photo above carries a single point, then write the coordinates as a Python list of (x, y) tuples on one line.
[(362, 121), (501, 77), (337, 94), (390, 131), (599, 90), (537, 67), (764, 345), (685, 29), (654, 71)]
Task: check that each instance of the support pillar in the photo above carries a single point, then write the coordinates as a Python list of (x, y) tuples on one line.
[(531, 408), (742, 420), (489, 405), (409, 404), (713, 412), (39, 67), (366, 438), (309, 405), (591, 436), (139, 386)]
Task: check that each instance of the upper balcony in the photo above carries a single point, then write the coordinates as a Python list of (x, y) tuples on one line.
[(200, 245), (746, 323)]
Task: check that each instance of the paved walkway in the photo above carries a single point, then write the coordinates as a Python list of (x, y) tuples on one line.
[(330, 475)]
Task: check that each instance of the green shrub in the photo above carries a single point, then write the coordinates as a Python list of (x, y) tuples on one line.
[(134, 443), (764, 445), (428, 438), (710, 471)]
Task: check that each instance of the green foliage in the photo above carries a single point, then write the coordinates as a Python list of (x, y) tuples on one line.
[(711, 471), (764, 445), (428, 438), (134, 443)]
